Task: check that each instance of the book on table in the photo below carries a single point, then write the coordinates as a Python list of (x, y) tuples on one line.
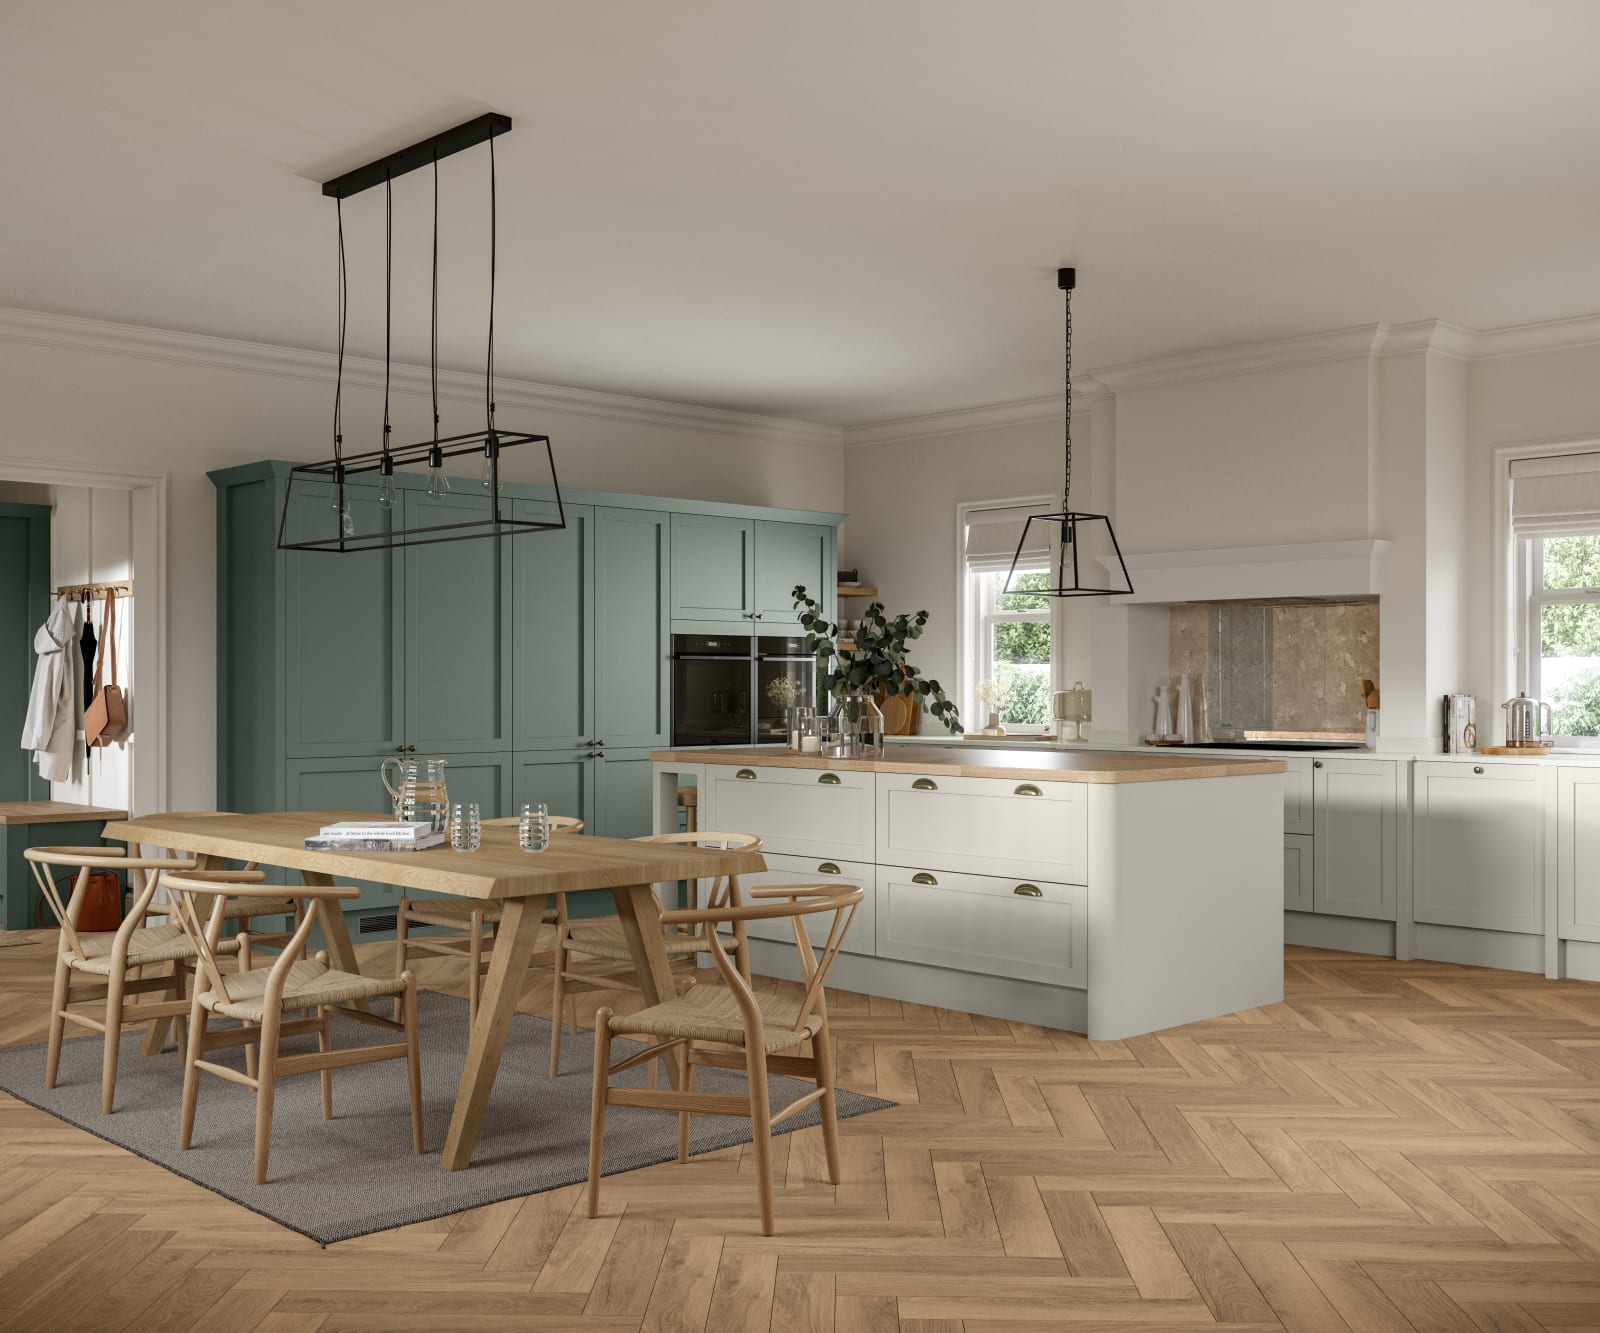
[(374, 844), (390, 830)]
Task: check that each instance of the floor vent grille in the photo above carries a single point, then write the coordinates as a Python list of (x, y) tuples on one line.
[(376, 925)]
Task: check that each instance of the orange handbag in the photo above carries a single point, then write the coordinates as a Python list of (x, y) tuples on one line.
[(106, 717), (102, 902)]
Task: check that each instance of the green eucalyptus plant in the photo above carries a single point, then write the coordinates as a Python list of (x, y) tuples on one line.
[(878, 659)]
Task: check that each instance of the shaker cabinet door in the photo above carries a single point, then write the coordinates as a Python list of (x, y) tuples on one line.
[(1578, 853), (1356, 805), (553, 629), (343, 616), (632, 637), (1298, 876), (458, 632), (787, 555), (1478, 833), (713, 568)]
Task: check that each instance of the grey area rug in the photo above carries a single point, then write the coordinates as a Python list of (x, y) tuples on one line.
[(356, 1174)]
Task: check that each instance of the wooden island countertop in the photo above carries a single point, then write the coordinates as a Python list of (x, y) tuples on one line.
[(1046, 766)]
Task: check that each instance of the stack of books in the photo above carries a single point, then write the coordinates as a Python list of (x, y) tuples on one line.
[(375, 835)]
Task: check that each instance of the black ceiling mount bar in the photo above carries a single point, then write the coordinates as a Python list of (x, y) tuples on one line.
[(429, 151)]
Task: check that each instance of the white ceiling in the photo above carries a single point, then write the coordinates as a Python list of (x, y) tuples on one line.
[(839, 210)]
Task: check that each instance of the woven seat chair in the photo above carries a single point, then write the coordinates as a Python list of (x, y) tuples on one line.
[(467, 918), (732, 1027), (601, 937), (259, 998), (108, 967)]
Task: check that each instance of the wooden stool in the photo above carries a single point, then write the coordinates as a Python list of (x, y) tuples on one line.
[(689, 802)]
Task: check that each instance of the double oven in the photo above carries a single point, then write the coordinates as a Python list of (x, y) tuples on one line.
[(721, 687)]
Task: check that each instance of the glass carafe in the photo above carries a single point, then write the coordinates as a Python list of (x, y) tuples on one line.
[(859, 723), (418, 791)]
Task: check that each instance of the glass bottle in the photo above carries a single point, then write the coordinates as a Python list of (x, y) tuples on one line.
[(859, 722)]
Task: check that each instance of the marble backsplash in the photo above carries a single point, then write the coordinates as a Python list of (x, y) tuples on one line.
[(1278, 666)]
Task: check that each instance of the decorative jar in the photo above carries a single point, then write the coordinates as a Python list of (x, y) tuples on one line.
[(859, 723)]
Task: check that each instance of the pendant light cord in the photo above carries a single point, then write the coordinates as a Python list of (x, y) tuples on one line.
[(433, 316), (1066, 485), (388, 296), (343, 318), (488, 379)]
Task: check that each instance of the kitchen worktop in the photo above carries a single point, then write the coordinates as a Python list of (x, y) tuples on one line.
[(1014, 744), (975, 761)]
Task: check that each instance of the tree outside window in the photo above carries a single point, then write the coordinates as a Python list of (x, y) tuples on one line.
[(1016, 639), (1565, 669)]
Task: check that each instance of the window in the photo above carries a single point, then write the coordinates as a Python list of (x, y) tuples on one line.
[(1555, 506), (1007, 638), (1562, 647)]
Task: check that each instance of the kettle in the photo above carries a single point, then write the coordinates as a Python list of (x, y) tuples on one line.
[(1529, 725)]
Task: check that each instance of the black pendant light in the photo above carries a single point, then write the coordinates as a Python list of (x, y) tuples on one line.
[(440, 521), (1082, 546)]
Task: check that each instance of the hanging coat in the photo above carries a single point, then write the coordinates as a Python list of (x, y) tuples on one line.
[(53, 713)]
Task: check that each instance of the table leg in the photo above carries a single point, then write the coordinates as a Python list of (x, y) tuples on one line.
[(335, 931), (508, 969), (155, 1032), (639, 911)]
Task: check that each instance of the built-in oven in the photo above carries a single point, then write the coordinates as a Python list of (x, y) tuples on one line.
[(722, 687)]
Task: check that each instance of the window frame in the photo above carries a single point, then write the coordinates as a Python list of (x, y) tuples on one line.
[(1534, 598), (975, 615)]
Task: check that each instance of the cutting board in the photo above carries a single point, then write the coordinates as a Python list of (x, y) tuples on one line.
[(1515, 749)]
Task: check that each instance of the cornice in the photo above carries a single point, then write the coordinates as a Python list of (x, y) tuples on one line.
[(1549, 336), (102, 336), (1243, 359), (990, 416), (1428, 335)]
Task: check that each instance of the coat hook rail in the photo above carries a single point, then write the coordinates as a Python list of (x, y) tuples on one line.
[(96, 590)]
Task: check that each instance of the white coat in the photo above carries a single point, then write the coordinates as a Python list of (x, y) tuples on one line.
[(50, 729)]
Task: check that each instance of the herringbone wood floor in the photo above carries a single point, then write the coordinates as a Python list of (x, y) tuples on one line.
[(1398, 1146)]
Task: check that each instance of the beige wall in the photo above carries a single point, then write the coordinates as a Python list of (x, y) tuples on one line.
[(65, 404)]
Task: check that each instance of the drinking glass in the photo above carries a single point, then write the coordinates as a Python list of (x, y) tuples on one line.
[(466, 827), (533, 828)]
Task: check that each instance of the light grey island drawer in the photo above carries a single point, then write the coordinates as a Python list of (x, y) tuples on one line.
[(823, 813), (862, 937), (1032, 930), (999, 826)]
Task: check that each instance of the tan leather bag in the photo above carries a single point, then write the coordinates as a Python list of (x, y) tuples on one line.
[(106, 717)]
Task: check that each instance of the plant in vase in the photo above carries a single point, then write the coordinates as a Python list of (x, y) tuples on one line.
[(871, 663), (992, 694), (785, 694)]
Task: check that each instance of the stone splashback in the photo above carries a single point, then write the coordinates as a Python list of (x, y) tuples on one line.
[(1276, 666)]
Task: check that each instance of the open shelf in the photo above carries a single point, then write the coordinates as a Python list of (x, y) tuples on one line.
[(857, 592)]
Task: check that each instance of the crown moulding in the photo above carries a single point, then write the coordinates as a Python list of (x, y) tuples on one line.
[(102, 336)]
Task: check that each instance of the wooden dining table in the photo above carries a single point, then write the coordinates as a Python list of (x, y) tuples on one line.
[(498, 871)]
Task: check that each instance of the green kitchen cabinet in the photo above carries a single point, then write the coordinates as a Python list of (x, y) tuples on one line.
[(24, 606), (624, 794), (506, 656), (713, 568), (344, 691), (553, 630), (632, 647), (790, 555), (458, 632)]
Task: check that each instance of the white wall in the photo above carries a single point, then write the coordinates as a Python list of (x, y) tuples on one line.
[(1396, 445), (165, 411)]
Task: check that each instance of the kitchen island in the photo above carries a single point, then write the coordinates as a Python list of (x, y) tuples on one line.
[(1105, 893)]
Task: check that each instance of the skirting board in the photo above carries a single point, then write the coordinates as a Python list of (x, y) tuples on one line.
[(969, 992), (1582, 959), (1481, 948), (1349, 934)]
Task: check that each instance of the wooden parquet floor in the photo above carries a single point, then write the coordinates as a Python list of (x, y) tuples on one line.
[(1398, 1146)]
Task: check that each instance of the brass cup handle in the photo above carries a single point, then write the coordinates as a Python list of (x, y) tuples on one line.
[(830, 780), (747, 774), (828, 868), (924, 784), (1028, 891), (1027, 789), (923, 877)]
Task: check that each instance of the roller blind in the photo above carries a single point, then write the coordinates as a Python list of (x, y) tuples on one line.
[(1556, 495), (993, 534)]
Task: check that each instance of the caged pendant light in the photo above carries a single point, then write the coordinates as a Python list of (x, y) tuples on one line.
[(439, 519), (1084, 555)]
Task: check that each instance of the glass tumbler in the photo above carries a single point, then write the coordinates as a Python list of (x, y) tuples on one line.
[(533, 828), (466, 827)]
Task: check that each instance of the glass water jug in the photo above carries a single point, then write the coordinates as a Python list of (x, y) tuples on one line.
[(418, 791)]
